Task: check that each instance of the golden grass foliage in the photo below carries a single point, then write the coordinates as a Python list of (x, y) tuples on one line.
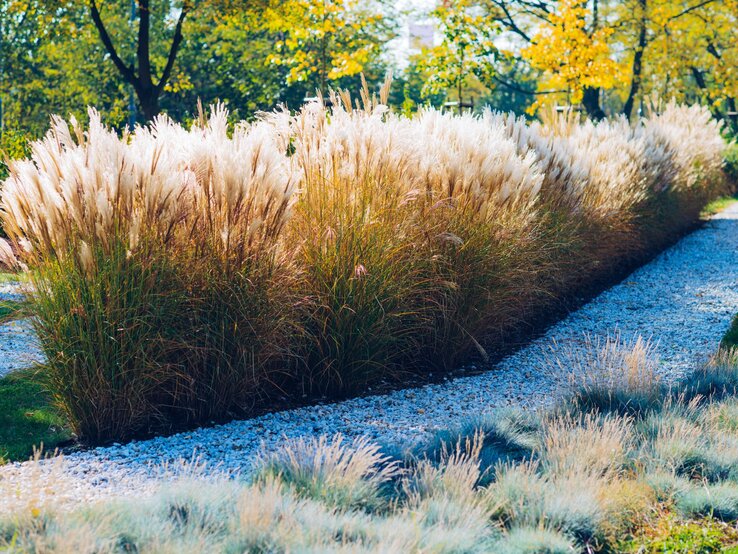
[(587, 480), (184, 275)]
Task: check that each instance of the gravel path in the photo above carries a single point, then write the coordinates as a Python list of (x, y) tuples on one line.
[(684, 300), (19, 348)]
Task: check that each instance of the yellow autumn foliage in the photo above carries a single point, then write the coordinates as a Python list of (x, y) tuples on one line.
[(572, 58)]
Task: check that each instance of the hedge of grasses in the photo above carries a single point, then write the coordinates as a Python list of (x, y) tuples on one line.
[(182, 275), (618, 465)]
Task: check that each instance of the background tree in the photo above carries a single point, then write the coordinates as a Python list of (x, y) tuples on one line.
[(574, 56), (467, 49), (52, 62), (148, 74), (256, 54), (326, 40)]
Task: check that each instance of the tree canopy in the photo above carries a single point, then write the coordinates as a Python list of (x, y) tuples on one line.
[(607, 56)]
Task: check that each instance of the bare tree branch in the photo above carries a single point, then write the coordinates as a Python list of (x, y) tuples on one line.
[(691, 9), (174, 49), (126, 71), (508, 20)]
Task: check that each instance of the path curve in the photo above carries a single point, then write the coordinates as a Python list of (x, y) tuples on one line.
[(684, 300)]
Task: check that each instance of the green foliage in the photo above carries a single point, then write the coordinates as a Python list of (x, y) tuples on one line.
[(27, 417), (731, 336), (321, 41), (731, 162), (53, 63), (14, 144), (718, 205), (703, 536), (467, 49)]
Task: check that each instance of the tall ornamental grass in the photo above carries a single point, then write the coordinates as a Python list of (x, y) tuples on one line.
[(182, 275)]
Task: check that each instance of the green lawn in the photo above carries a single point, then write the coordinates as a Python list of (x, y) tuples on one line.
[(731, 337), (12, 309), (718, 205), (27, 417), (10, 277)]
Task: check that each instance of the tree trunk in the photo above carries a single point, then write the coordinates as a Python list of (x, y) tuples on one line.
[(635, 83), (149, 101), (702, 84), (591, 103), (147, 91), (732, 121), (591, 96)]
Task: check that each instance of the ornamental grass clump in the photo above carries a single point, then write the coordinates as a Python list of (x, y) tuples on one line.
[(684, 159), (158, 282), (484, 234), (357, 239), (182, 276)]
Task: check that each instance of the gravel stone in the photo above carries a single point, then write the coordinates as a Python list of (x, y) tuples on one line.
[(683, 300), (19, 347)]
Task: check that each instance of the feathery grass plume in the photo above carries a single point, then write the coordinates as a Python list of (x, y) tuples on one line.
[(615, 190), (480, 204), (234, 262), (564, 175), (679, 125), (685, 152)]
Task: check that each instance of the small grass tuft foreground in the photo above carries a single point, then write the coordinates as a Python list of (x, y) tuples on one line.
[(632, 471)]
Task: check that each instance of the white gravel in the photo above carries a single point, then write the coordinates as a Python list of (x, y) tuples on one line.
[(19, 347), (684, 300)]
